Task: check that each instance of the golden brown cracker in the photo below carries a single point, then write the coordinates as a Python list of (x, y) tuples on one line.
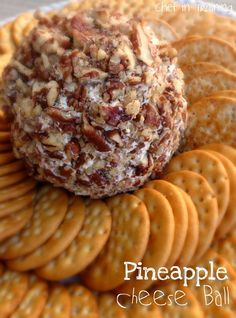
[(4, 60), (211, 168), (144, 309), (186, 17), (5, 147), (19, 25), (162, 229), (58, 304), (10, 168), (49, 211), (161, 28), (5, 137), (34, 300), (128, 241), (12, 224), (211, 120), (17, 190), (59, 241), (6, 157), (227, 249), (177, 203), (130, 8), (205, 201), (11, 206), (13, 287), (12, 179), (192, 237), (29, 26), (229, 220), (225, 93), (191, 70), (225, 150), (186, 306), (83, 302), (208, 83), (206, 49), (85, 247), (109, 308), (7, 45), (216, 287)]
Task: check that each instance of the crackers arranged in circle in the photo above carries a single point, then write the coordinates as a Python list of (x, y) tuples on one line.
[(211, 120), (211, 168), (208, 83), (177, 203), (13, 287), (192, 237), (83, 302), (128, 241), (85, 247), (205, 201), (59, 241), (206, 49), (49, 211), (162, 230), (34, 300), (58, 304), (12, 224), (109, 308)]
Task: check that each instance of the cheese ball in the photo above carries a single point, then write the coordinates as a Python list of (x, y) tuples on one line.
[(97, 101)]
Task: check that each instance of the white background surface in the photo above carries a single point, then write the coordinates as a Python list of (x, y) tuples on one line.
[(9, 8)]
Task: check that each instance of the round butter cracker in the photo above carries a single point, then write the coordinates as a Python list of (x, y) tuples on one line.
[(177, 203), (85, 247), (128, 242), (13, 287), (83, 302), (59, 241), (205, 201), (49, 211), (58, 304), (211, 168), (162, 230)]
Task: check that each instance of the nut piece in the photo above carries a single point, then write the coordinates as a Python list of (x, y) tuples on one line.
[(141, 45), (52, 93), (133, 108), (93, 136)]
